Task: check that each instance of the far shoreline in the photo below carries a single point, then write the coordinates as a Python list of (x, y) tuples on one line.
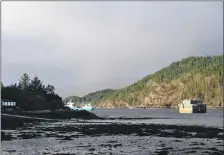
[(208, 107)]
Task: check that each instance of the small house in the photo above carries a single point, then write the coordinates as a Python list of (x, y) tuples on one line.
[(192, 106), (5, 104)]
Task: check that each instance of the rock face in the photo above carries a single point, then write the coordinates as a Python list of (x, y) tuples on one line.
[(167, 94), (157, 96)]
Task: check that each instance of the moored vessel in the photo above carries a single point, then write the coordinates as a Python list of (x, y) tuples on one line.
[(192, 106), (72, 106)]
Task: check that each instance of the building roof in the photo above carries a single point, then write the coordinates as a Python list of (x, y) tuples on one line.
[(6, 100)]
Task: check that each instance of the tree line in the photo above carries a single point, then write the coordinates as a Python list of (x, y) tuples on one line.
[(32, 94), (91, 97), (200, 68)]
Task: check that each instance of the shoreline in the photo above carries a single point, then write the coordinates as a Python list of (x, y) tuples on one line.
[(100, 136), (208, 107), (42, 129)]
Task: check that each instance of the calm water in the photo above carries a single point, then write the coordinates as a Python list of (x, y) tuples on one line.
[(213, 117)]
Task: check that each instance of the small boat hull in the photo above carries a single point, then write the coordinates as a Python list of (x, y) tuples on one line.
[(82, 108), (86, 107)]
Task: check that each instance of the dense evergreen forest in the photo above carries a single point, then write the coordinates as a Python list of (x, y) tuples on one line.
[(192, 77), (91, 97), (32, 94)]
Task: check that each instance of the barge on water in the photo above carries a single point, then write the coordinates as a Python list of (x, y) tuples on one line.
[(192, 106)]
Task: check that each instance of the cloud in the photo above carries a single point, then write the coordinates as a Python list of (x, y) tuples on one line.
[(85, 46)]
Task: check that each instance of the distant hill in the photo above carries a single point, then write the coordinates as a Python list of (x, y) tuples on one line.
[(73, 98), (192, 77), (91, 97)]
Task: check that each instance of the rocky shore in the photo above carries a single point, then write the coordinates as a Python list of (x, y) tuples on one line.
[(76, 136)]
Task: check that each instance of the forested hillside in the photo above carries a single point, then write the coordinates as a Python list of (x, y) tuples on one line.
[(192, 77), (91, 97)]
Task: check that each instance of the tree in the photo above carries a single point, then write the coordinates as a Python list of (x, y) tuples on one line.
[(2, 86), (24, 82), (36, 85), (49, 89), (14, 86), (32, 94)]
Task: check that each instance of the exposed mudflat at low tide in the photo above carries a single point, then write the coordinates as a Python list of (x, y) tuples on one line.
[(70, 137), (112, 145), (123, 136)]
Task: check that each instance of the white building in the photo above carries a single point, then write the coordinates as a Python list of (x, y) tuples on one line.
[(7, 103)]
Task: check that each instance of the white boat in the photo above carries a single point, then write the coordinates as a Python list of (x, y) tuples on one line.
[(87, 107)]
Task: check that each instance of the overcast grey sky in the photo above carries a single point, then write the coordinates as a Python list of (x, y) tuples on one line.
[(80, 47)]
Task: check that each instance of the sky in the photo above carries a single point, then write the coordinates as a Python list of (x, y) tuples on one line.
[(81, 47)]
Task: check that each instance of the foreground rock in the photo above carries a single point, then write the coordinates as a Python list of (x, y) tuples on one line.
[(5, 137), (12, 123)]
